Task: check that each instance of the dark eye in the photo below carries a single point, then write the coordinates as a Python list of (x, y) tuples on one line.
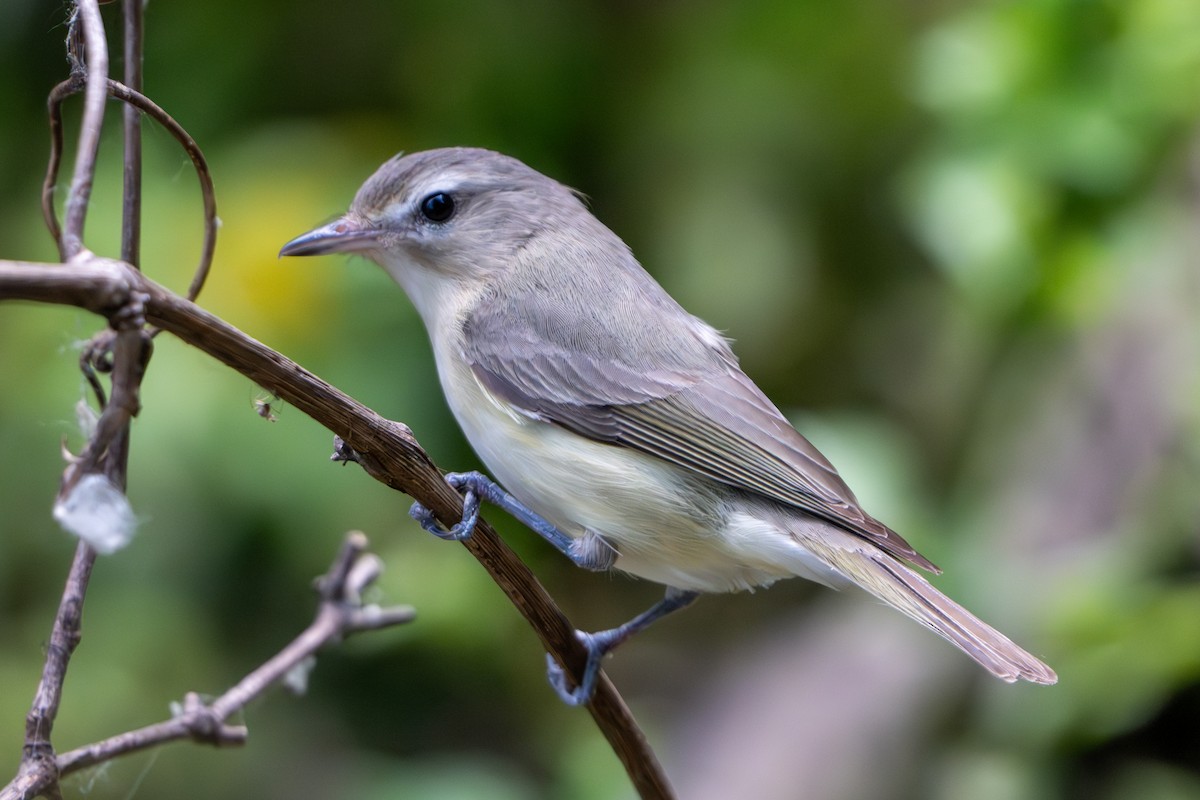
[(437, 207)]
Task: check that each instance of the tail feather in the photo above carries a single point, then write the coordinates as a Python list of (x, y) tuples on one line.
[(908, 592)]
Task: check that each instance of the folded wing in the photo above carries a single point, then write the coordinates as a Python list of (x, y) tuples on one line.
[(684, 400)]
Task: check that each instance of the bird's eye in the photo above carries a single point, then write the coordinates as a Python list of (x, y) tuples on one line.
[(437, 207)]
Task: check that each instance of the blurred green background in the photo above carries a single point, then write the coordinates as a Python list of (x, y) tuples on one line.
[(956, 242)]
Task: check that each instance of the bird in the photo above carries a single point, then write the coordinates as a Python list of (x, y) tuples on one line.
[(611, 421)]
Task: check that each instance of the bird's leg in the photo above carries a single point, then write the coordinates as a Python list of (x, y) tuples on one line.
[(589, 551), (601, 643)]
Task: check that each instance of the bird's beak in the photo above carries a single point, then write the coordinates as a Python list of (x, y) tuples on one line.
[(345, 235)]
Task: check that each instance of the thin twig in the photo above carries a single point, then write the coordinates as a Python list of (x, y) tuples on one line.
[(96, 54), (131, 352), (125, 94), (207, 193), (341, 613), (64, 638), (54, 111), (386, 449), (108, 448), (131, 124), (107, 452), (37, 755)]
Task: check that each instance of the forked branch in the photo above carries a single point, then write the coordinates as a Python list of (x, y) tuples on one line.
[(341, 613)]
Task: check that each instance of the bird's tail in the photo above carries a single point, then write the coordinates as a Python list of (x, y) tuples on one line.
[(904, 589)]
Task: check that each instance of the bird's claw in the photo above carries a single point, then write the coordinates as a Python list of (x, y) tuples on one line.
[(583, 691), (461, 530)]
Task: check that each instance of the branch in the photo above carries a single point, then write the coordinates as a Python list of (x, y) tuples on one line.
[(132, 98), (96, 52), (131, 124), (39, 769), (105, 453), (108, 448), (341, 613), (387, 449)]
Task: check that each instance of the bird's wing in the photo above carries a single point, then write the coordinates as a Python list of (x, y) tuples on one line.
[(691, 406)]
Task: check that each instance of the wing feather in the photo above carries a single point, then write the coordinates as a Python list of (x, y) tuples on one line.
[(688, 405)]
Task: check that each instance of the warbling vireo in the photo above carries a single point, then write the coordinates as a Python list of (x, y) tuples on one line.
[(621, 424)]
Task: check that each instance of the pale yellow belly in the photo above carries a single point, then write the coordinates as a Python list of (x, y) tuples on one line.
[(666, 525)]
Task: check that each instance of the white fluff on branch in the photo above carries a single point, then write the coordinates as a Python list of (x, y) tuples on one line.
[(98, 512)]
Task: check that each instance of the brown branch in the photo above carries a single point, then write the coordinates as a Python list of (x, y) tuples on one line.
[(39, 768), (386, 449), (54, 110), (72, 86), (131, 126), (95, 284), (131, 352), (96, 53), (107, 449), (106, 452), (341, 613)]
